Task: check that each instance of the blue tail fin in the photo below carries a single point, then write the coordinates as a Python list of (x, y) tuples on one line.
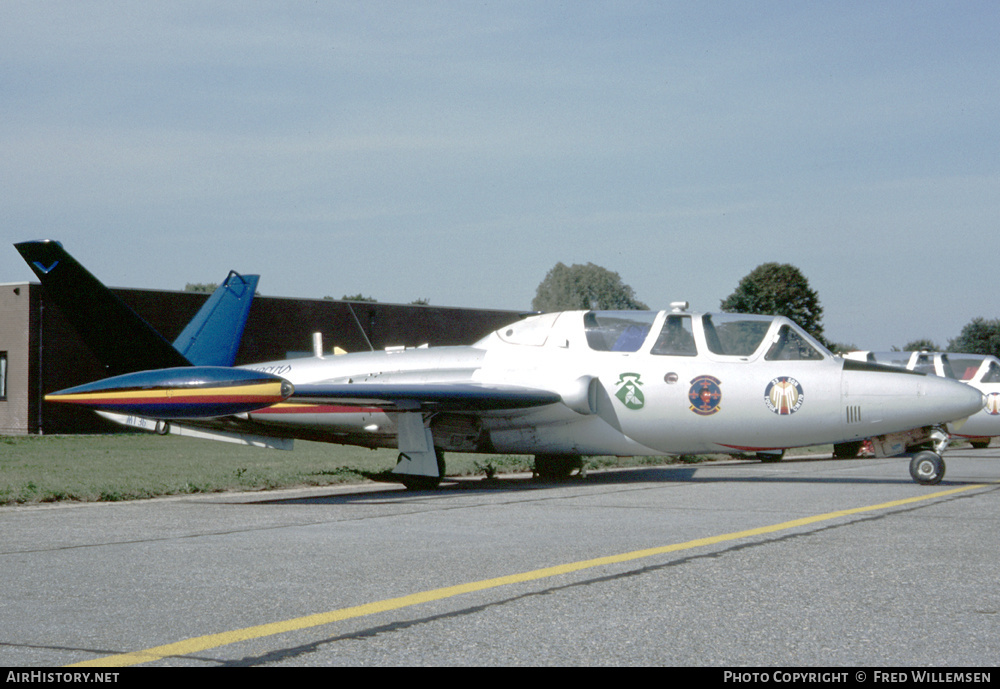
[(213, 336)]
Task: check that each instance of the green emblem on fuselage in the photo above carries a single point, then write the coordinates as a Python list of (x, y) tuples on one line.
[(629, 392)]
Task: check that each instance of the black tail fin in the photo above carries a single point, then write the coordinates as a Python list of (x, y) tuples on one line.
[(120, 339)]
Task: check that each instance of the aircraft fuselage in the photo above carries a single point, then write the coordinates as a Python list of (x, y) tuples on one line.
[(631, 383)]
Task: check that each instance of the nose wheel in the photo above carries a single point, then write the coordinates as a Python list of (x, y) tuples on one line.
[(927, 468)]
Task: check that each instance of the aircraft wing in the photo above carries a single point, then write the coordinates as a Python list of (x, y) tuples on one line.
[(428, 397)]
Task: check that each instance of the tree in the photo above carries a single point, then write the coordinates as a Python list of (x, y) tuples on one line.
[(779, 290), (842, 347), (569, 288), (979, 336), (919, 345), (201, 287)]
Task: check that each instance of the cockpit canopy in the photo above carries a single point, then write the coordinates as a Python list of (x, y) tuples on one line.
[(673, 334), (979, 368)]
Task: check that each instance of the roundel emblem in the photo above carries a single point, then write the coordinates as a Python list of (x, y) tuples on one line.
[(783, 395), (705, 395), (993, 403)]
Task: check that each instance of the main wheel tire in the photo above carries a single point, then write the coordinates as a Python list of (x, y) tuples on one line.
[(556, 467), (927, 468), (770, 457), (416, 482), (849, 450)]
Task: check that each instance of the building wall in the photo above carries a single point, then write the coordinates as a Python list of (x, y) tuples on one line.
[(278, 328), (15, 345)]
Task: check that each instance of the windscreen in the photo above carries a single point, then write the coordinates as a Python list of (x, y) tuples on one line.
[(790, 345)]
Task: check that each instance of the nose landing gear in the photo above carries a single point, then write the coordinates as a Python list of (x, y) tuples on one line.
[(927, 468)]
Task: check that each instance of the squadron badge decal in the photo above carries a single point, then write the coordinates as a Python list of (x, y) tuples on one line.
[(629, 392), (705, 395), (784, 395)]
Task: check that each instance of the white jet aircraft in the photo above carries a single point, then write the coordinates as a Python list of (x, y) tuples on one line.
[(981, 371), (559, 386)]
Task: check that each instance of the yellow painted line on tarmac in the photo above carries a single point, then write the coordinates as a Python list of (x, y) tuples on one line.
[(202, 643)]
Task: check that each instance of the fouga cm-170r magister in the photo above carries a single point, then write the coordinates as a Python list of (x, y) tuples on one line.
[(559, 386)]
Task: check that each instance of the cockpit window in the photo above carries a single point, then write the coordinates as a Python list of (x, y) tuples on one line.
[(789, 345), (617, 331), (735, 335), (947, 369), (964, 368), (675, 339), (924, 364), (993, 374)]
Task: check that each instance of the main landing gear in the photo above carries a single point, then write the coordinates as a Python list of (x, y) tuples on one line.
[(557, 467), (421, 482), (420, 464), (927, 468)]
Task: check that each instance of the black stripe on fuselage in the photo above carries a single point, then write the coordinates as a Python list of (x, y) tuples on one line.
[(852, 365)]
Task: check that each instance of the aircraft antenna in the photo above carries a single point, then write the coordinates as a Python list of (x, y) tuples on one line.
[(358, 323)]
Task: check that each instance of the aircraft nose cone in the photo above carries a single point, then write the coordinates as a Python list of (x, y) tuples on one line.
[(892, 400), (954, 400), (961, 399)]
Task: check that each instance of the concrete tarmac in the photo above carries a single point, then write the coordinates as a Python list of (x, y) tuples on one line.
[(806, 562)]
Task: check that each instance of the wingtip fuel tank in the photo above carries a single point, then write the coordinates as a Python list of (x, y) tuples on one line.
[(180, 393)]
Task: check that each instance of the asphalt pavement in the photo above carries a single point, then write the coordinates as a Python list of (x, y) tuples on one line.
[(806, 562)]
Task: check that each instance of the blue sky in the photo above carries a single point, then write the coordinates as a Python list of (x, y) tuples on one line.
[(456, 151)]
